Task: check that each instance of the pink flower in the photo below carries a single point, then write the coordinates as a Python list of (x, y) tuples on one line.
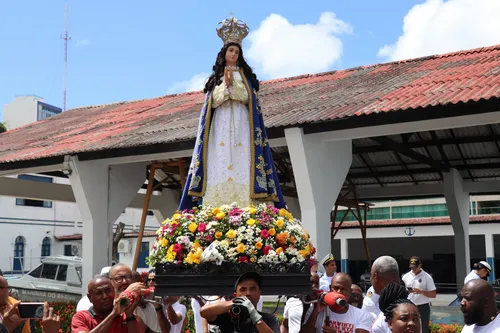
[(177, 248), (243, 259), (209, 238), (236, 212), (264, 233), (202, 227), (266, 249)]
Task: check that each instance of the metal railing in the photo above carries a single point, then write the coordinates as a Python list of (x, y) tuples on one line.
[(26, 264)]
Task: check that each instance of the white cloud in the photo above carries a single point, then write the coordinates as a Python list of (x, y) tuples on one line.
[(438, 26), (280, 49), (196, 83), (82, 42)]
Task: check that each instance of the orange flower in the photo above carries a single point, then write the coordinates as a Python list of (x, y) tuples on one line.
[(272, 231)]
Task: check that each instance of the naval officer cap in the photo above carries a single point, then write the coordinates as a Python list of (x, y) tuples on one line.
[(327, 259)]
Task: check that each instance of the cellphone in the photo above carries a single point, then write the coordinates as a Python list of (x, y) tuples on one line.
[(31, 310)]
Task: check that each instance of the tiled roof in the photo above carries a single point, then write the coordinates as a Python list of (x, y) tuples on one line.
[(452, 78), (494, 218)]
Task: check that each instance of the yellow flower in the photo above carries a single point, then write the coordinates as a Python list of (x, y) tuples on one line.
[(272, 231), (176, 216), (192, 227), (196, 245), (220, 215), (304, 253), (250, 222), (218, 234), (170, 254), (280, 223), (283, 212), (259, 245), (231, 234), (252, 211), (166, 221), (215, 211), (279, 250), (164, 242), (240, 248)]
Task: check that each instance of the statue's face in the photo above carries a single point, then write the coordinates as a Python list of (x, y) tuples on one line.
[(232, 54)]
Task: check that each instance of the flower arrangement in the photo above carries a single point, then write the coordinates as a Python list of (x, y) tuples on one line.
[(261, 234)]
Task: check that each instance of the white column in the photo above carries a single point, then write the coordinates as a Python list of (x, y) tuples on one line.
[(344, 255), (102, 193), (320, 168), (293, 205), (457, 201), (490, 255)]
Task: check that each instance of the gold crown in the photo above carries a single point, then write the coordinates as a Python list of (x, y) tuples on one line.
[(232, 30)]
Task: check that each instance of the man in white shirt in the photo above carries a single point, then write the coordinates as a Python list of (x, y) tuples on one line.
[(330, 266), (384, 270), (422, 288), (481, 271), (477, 302), (176, 312), (350, 320), (296, 310)]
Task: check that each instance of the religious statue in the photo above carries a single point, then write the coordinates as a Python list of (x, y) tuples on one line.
[(232, 160)]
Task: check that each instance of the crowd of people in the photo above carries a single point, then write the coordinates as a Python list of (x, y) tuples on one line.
[(391, 305)]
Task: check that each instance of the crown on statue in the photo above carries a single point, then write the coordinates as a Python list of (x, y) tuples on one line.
[(232, 30)]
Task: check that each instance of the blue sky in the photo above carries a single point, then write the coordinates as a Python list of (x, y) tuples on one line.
[(127, 50)]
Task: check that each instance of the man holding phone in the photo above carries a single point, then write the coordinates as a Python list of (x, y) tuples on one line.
[(9, 312)]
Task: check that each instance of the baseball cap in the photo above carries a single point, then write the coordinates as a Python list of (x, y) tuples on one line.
[(249, 276), (484, 264), (415, 261)]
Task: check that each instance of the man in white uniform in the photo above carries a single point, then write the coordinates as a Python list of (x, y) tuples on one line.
[(422, 288), (481, 271), (479, 308), (330, 266), (350, 320), (384, 270)]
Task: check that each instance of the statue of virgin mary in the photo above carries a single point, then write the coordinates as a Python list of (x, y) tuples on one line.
[(232, 160)]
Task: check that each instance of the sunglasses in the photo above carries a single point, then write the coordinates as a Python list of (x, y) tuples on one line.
[(151, 280)]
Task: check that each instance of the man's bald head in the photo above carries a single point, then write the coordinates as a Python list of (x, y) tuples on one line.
[(477, 302), (97, 280), (341, 283), (101, 294), (117, 268)]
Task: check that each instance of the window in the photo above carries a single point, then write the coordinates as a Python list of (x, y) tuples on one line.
[(143, 255), (37, 272), (62, 272), (68, 250), (488, 207), (31, 202), (46, 247), (49, 271), (46, 111), (380, 213), (19, 253), (408, 212)]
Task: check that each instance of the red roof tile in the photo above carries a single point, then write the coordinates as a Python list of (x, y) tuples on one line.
[(494, 218), (436, 80)]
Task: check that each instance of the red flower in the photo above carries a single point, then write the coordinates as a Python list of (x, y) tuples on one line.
[(202, 227), (177, 248), (264, 233), (266, 249), (243, 259)]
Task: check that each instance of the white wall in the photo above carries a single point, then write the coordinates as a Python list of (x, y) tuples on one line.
[(21, 111)]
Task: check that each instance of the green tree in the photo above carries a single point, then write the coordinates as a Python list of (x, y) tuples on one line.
[(3, 127)]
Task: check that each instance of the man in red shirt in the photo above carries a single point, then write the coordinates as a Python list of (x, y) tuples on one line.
[(106, 314)]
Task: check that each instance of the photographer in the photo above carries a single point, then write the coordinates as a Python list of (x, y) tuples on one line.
[(240, 314)]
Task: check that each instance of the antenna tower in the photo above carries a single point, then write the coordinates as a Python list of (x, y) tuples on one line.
[(66, 38)]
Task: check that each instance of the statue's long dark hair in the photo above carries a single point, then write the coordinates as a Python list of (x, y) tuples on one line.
[(218, 70)]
